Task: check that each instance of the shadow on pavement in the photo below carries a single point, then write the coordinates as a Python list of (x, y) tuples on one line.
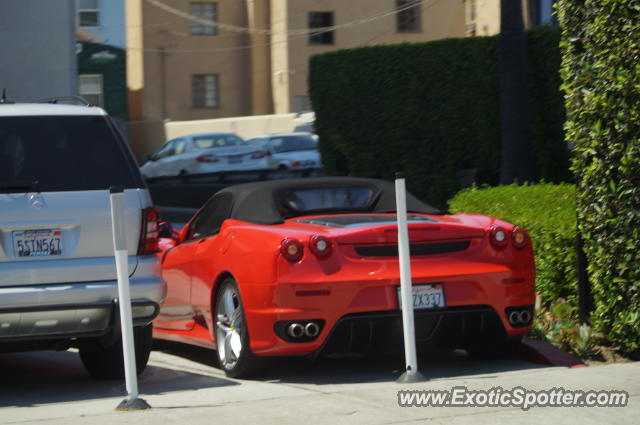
[(36, 378), (326, 371)]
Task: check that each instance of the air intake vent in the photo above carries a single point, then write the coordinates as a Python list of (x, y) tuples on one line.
[(415, 249)]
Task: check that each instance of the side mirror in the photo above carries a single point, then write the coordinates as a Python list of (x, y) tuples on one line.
[(165, 230)]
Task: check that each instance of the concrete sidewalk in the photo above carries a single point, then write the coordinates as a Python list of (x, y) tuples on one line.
[(184, 387)]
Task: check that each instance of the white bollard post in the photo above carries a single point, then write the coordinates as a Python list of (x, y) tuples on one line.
[(411, 373), (132, 402)]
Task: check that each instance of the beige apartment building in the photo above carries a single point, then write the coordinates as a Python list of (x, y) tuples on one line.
[(254, 59)]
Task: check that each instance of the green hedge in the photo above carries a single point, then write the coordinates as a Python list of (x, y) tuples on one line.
[(431, 110), (548, 213), (601, 74)]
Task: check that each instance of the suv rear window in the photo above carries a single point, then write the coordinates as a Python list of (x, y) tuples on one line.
[(62, 153)]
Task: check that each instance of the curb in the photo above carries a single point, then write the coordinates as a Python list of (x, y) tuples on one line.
[(545, 353)]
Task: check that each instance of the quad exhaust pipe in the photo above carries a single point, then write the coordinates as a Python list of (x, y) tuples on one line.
[(298, 330), (312, 329), (519, 317), (295, 330)]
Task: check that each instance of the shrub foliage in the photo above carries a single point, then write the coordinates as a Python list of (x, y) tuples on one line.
[(432, 110), (601, 79)]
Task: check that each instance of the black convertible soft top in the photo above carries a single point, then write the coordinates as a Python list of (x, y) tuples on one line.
[(266, 202)]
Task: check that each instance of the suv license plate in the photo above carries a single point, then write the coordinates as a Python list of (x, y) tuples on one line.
[(425, 296), (235, 159), (37, 243)]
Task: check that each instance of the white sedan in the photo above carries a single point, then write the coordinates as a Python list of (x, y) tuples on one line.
[(208, 153), (287, 151)]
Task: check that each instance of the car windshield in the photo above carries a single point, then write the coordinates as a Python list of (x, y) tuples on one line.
[(282, 144), (61, 153), (217, 141), (327, 198)]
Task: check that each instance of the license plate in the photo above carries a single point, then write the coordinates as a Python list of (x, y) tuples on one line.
[(235, 159), (37, 243), (426, 296)]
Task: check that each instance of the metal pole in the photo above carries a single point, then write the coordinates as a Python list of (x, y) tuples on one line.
[(411, 373), (132, 402)]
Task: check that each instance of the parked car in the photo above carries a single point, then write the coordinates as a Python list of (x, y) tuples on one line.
[(309, 266), (58, 284), (287, 151), (208, 153)]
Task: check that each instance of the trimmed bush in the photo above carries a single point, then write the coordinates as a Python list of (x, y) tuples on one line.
[(601, 74), (548, 213), (432, 111)]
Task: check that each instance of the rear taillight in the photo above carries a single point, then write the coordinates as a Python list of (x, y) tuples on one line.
[(291, 249), (259, 154), (519, 237), (499, 237), (149, 231), (208, 157), (320, 246)]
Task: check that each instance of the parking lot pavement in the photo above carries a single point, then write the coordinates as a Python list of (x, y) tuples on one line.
[(184, 386)]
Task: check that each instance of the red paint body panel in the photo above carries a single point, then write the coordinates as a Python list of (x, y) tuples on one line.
[(274, 289)]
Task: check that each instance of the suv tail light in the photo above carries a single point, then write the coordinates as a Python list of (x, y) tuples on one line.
[(498, 237), (320, 246), (207, 157), (291, 249), (259, 154), (149, 232), (519, 237)]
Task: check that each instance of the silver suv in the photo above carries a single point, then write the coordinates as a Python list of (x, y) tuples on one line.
[(57, 269)]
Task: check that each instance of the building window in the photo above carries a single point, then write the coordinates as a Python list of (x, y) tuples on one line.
[(88, 13), (90, 87), (207, 12), (321, 20), (408, 20), (204, 90)]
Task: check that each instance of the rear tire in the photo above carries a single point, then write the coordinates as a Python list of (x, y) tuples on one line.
[(232, 336), (108, 362)]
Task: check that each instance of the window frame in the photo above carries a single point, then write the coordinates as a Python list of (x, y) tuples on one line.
[(100, 94), (326, 38), (80, 10), (403, 15), (196, 105), (198, 29)]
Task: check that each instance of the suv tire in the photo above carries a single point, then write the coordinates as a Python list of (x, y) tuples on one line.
[(108, 362)]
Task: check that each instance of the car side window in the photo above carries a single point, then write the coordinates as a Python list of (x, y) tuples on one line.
[(179, 146), (165, 151), (209, 221)]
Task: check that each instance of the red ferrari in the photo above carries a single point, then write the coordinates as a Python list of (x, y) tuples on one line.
[(310, 266)]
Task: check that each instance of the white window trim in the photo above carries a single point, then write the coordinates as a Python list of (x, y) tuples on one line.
[(79, 10), (101, 92)]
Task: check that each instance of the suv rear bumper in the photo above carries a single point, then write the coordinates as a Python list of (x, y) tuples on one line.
[(74, 309)]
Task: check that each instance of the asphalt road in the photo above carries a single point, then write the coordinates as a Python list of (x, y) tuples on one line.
[(184, 386)]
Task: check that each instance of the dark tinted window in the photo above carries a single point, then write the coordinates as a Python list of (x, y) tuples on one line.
[(210, 219), (63, 153), (293, 143), (328, 198)]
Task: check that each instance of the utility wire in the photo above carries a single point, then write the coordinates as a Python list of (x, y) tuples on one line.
[(265, 31), (302, 33)]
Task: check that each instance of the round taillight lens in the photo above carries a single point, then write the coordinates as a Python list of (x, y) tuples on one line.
[(291, 249), (519, 237), (320, 246), (499, 237)]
